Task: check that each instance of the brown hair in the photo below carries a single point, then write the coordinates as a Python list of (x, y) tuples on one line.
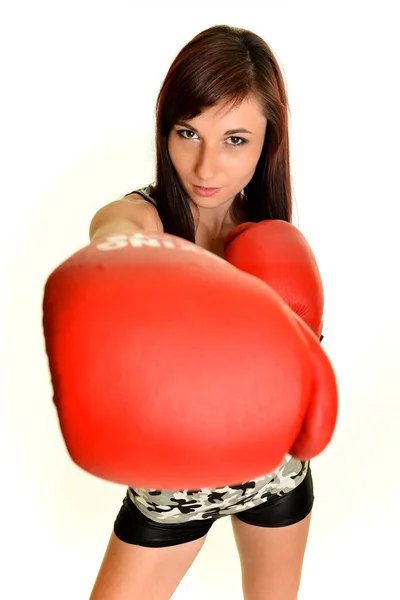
[(224, 64)]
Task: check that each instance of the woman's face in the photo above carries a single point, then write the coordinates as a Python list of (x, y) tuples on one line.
[(219, 148)]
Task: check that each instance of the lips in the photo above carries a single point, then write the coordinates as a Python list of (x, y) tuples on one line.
[(204, 191), (206, 188)]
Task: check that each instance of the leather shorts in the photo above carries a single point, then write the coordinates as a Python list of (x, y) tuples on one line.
[(133, 527)]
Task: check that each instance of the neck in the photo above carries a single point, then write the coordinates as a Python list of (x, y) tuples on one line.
[(214, 222)]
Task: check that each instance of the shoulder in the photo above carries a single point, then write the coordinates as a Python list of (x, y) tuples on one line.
[(144, 193), (144, 200)]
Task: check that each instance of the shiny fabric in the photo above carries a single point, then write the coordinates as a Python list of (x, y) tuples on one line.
[(133, 527)]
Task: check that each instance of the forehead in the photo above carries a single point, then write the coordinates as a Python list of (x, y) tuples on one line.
[(246, 114)]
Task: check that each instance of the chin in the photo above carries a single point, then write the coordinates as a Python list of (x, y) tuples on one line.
[(208, 202)]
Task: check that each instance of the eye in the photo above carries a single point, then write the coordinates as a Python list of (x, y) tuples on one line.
[(181, 133), (187, 134), (242, 141)]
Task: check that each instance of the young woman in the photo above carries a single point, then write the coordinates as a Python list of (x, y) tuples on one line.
[(222, 159)]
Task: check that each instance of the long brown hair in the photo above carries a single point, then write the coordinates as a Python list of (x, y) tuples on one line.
[(224, 64)]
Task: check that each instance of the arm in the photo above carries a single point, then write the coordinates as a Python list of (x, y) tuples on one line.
[(130, 215)]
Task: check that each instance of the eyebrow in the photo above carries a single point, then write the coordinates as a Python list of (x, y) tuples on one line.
[(229, 132)]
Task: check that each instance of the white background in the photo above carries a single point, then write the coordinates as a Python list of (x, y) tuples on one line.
[(79, 82)]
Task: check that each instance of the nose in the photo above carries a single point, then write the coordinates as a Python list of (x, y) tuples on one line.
[(207, 164)]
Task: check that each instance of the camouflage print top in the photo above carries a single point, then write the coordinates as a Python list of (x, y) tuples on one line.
[(170, 506), (188, 505)]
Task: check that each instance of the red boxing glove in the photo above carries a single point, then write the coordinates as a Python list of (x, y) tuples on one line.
[(174, 370), (279, 254), (320, 417)]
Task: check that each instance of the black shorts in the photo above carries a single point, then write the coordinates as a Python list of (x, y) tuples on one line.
[(133, 527)]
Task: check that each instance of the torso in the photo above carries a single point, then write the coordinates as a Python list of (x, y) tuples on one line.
[(185, 505)]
